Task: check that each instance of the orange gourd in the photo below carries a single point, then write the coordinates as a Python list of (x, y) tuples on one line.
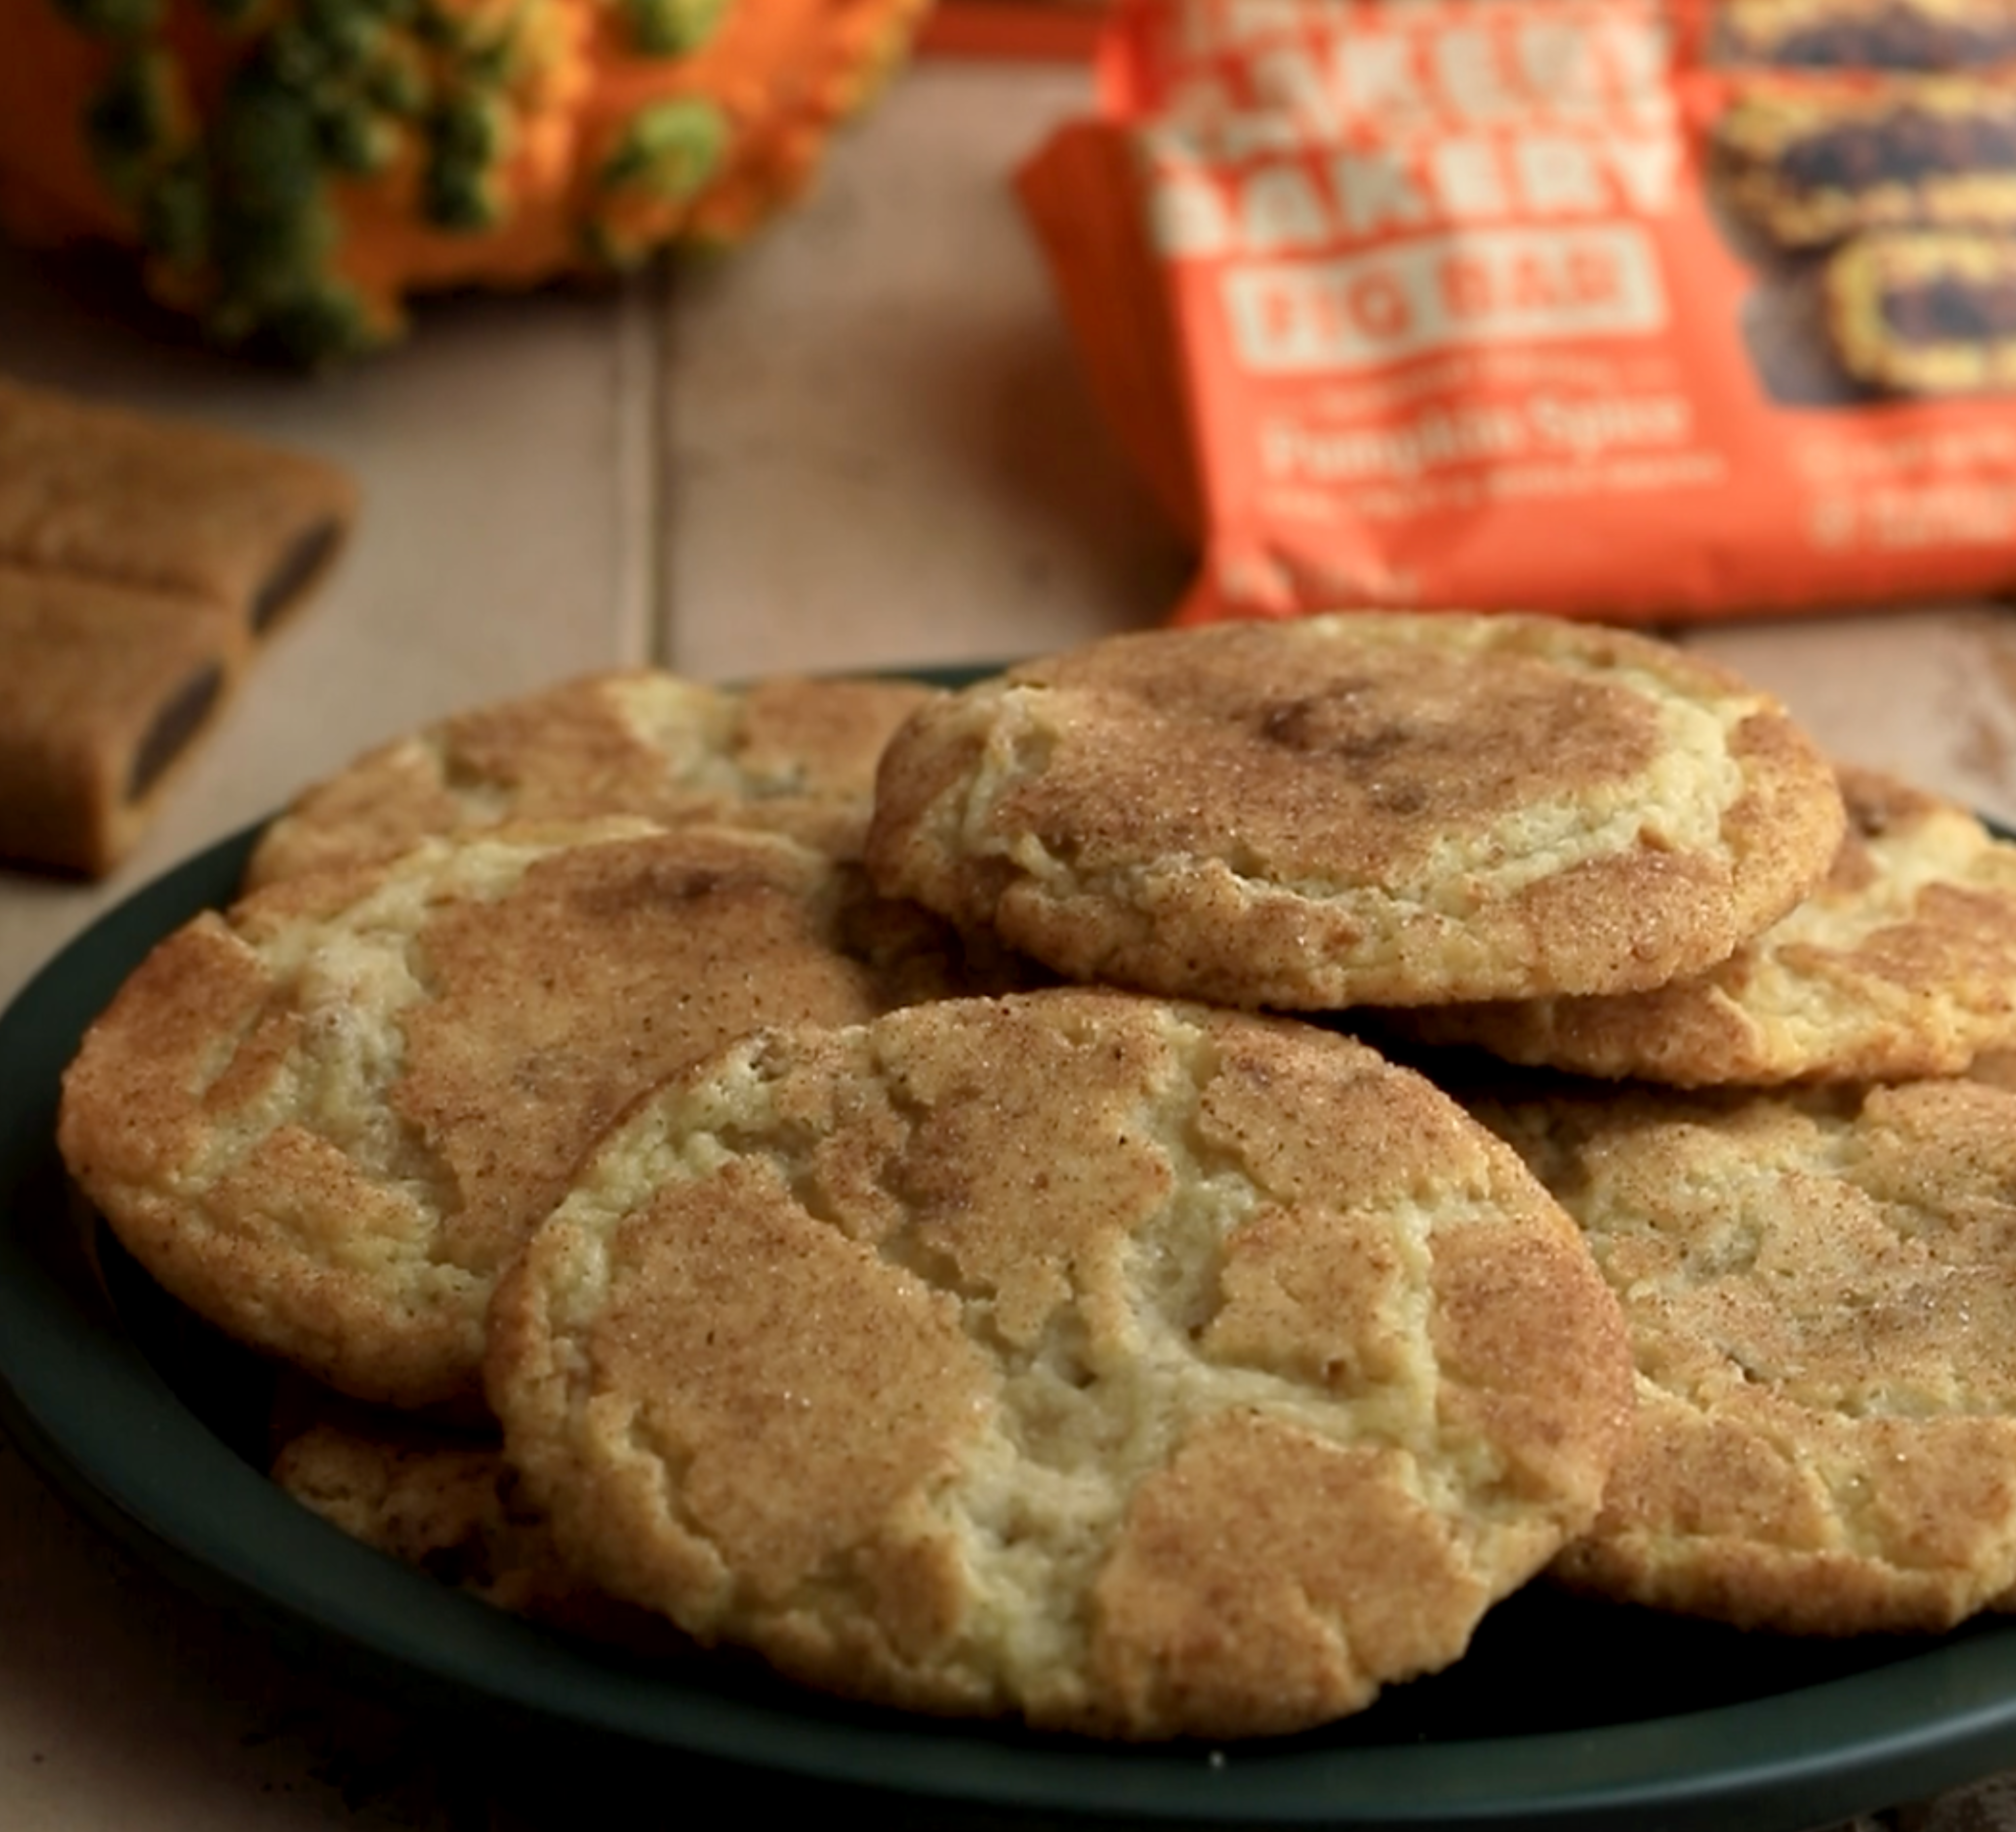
[(291, 172)]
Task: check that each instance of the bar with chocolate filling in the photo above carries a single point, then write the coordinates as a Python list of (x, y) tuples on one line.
[(1868, 34), (1924, 312), (105, 689), (1808, 167), (98, 492)]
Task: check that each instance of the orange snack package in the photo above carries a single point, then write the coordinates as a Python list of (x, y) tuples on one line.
[(1578, 306)]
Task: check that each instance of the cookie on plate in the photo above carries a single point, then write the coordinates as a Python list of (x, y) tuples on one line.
[(1902, 964), (449, 1505), (1821, 1293), (1144, 1368), (1360, 809), (326, 1119), (789, 755)]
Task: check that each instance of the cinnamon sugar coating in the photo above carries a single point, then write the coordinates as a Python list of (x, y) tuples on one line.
[(788, 754), (1902, 964), (1358, 808), (326, 1119), (1820, 1290), (1144, 1369)]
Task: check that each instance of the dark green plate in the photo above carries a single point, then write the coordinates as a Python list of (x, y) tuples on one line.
[(1562, 1714)]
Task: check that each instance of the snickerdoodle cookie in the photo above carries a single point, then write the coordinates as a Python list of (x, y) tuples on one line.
[(324, 1119), (1361, 808), (449, 1505), (791, 755), (1821, 1293), (1143, 1368), (1902, 964)]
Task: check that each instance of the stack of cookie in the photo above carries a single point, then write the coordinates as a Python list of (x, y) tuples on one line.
[(141, 562), (885, 1177)]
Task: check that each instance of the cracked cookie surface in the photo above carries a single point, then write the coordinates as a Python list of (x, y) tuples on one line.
[(326, 1119), (1144, 1369), (788, 754), (449, 1504), (1359, 809), (1821, 1292), (1902, 964)]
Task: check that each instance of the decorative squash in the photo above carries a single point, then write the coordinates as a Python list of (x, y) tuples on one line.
[(291, 171)]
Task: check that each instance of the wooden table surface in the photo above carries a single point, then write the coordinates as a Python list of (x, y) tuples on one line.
[(862, 442)]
